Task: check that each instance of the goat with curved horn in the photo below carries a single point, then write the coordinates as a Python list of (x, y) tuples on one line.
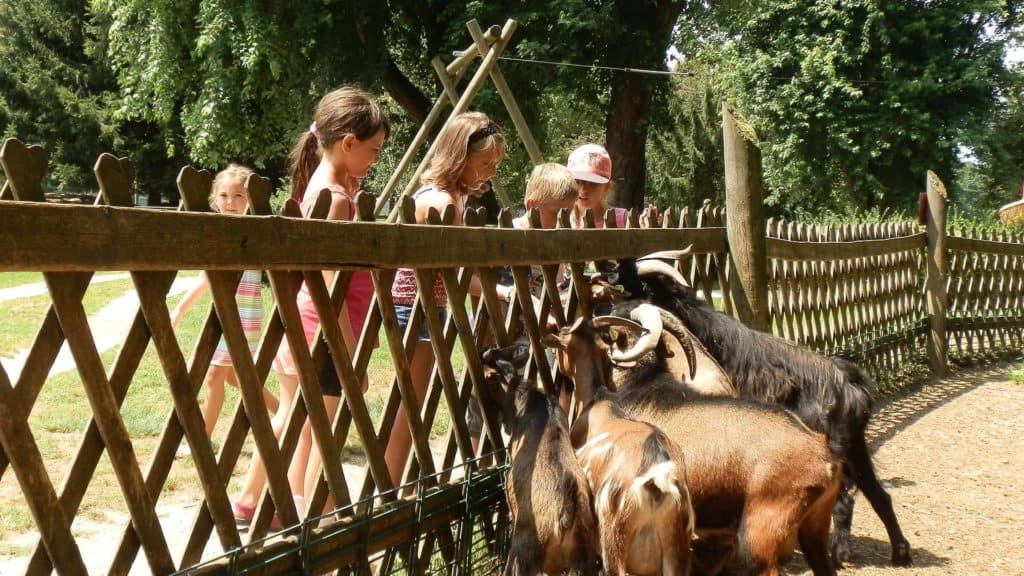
[(652, 266), (829, 395), (650, 327)]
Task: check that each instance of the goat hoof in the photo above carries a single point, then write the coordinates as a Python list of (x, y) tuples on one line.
[(901, 554), (840, 550)]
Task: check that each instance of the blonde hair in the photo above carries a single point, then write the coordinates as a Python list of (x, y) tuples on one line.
[(469, 133), (233, 173), (551, 182), (340, 112)]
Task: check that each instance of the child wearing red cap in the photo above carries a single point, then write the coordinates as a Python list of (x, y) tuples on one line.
[(591, 166)]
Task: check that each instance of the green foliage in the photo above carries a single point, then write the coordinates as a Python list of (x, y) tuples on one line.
[(685, 156), (854, 101), (52, 89), (56, 89), (240, 77)]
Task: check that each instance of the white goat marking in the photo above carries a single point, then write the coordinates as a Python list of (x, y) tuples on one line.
[(591, 446), (664, 476), (604, 496)]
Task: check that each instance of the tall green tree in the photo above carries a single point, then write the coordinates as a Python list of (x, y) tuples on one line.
[(57, 90), (855, 100), (242, 75), (52, 90)]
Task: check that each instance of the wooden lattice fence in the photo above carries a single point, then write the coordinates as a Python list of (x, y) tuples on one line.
[(880, 294), (985, 290), (419, 527), (853, 291)]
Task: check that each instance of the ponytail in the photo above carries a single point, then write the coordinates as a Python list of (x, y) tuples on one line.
[(340, 112), (304, 159)]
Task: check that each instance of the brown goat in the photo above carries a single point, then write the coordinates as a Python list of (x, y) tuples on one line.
[(637, 475), (553, 526), (752, 470)]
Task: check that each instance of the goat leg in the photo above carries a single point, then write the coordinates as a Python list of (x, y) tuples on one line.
[(864, 476)]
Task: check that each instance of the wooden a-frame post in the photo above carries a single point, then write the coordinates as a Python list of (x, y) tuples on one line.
[(488, 47)]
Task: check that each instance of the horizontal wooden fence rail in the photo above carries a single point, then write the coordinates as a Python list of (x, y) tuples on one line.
[(96, 238)]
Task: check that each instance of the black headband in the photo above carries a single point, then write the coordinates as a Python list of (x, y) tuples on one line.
[(489, 130)]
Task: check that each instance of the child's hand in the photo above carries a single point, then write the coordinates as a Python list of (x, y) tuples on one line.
[(650, 218), (176, 317)]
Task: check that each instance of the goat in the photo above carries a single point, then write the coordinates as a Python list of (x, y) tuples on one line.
[(830, 395), (553, 526), (637, 475), (755, 472)]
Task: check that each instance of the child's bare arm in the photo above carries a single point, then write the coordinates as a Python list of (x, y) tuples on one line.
[(436, 199), (191, 297)]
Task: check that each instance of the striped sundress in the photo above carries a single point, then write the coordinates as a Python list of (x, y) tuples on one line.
[(250, 310)]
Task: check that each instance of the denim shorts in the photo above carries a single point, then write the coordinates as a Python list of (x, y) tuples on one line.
[(404, 313)]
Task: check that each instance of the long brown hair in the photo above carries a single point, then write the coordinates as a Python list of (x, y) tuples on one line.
[(469, 133), (340, 112)]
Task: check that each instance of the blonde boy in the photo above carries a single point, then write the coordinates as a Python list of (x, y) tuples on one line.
[(551, 188)]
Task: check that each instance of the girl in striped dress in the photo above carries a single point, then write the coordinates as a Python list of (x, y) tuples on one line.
[(227, 196)]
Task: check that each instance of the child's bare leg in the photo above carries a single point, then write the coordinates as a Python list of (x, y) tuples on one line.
[(316, 457), (213, 399), (400, 440), (268, 397), (297, 467), (257, 476)]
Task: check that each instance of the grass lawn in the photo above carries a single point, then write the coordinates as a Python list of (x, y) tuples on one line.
[(62, 411), (11, 279)]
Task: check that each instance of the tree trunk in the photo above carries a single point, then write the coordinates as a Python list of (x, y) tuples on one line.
[(405, 93), (626, 133), (650, 25)]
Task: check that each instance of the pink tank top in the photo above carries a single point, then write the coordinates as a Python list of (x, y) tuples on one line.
[(358, 297)]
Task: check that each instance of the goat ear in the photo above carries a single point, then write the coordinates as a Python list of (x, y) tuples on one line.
[(488, 355), (552, 341), (575, 325)]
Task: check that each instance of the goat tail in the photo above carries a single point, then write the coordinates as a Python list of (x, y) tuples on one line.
[(855, 396), (858, 393)]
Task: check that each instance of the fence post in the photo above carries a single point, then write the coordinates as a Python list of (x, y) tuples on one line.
[(935, 281), (745, 226)]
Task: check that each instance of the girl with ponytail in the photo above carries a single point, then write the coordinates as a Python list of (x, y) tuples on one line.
[(342, 144)]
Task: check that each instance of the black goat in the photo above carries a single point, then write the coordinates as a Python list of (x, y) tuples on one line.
[(830, 395)]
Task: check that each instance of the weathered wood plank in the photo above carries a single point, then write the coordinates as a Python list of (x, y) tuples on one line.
[(152, 291), (51, 521), (112, 429), (97, 238)]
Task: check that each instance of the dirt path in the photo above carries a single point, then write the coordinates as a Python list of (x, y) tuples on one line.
[(950, 455)]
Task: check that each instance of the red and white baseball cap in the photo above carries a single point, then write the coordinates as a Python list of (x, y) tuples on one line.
[(590, 163)]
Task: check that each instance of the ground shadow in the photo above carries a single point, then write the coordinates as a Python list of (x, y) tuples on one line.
[(867, 551), (897, 412)]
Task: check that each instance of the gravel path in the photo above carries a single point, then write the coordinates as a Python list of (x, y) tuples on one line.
[(950, 454)]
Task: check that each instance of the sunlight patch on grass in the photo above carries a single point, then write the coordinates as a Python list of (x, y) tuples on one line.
[(11, 279), (1016, 374), (22, 319)]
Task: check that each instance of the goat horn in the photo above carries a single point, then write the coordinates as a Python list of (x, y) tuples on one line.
[(650, 317), (691, 355), (603, 321), (667, 254), (652, 267)]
